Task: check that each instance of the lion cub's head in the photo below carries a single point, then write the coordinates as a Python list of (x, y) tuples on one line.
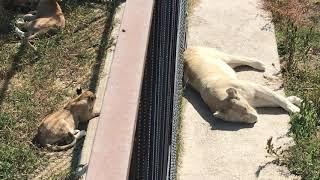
[(236, 109)]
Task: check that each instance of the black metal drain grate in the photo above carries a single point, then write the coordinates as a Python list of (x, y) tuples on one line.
[(154, 151)]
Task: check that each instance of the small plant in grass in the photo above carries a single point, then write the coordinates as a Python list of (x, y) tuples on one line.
[(304, 124)]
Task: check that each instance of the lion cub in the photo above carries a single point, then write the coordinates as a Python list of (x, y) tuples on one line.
[(60, 127)]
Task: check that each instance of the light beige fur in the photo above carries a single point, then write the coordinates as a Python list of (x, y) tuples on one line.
[(47, 16), (211, 73), (61, 126)]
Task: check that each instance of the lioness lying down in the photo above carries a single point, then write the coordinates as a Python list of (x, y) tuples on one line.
[(210, 73), (47, 16), (61, 127)]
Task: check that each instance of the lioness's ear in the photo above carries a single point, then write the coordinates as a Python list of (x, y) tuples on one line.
[(79, 90), (232, 93), (69, 105)]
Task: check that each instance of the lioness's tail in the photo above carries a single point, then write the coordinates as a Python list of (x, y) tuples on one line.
[(75, 137), (61, 148)]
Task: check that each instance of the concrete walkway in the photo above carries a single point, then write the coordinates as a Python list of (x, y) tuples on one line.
[(212, 149)]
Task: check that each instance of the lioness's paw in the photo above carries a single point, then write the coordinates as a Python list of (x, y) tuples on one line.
[(218, 115), (96, 114), (20, 21), (295, 100), (294, 109), (82, 133)]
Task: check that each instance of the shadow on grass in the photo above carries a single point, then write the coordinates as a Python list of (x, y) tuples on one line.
[(14, 68), (94, 80), (6, 19)]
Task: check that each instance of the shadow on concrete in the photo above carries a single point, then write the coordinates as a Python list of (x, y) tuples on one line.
[(216, 124), (271, 110), (261, 167), (272, 162), (246, 68)]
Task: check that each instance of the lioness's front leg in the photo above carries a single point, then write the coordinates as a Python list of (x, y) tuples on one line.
[(94, 114), (20, 33)]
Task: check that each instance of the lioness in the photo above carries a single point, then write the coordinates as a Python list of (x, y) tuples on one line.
[(210, 73), (47, 16), (61, 126)]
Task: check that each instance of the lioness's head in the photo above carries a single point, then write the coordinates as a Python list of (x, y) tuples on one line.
[(87, 98), (236, 109)]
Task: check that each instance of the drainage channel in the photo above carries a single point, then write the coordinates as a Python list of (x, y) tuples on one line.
[(154, 151)]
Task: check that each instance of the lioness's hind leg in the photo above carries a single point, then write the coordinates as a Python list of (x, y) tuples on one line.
[(265, 97)]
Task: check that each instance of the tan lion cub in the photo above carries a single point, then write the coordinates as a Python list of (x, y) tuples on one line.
[(210, 73), (61, 126), (47, 16)]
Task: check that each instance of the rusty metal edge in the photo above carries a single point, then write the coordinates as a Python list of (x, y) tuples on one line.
[(112, 146)]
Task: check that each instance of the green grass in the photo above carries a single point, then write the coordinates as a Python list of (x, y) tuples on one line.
[(298, 38), (304, 157), (33, 84)]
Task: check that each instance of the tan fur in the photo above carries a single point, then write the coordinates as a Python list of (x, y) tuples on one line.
[(61, 126), (210, 73), (47, 16)]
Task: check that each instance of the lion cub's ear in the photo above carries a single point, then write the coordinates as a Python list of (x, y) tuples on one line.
[(79, 90), (232, 93)]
